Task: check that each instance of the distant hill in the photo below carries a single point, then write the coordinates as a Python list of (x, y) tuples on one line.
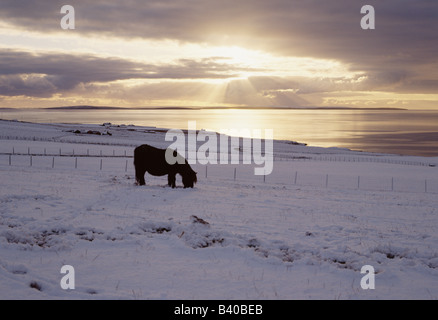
[(83, 108)]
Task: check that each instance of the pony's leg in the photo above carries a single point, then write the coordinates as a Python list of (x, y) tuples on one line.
[(139, 176), (171, 179)]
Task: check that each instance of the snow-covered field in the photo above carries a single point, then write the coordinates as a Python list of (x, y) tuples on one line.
[(303, 232)]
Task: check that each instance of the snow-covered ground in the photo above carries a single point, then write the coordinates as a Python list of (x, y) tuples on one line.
[(302, 232)]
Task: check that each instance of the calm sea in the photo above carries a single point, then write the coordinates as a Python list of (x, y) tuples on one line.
[(406, 132)]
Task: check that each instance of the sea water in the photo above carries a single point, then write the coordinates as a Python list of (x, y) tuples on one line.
[(408, 132)]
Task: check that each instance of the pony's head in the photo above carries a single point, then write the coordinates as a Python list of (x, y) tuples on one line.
[(189, 178)]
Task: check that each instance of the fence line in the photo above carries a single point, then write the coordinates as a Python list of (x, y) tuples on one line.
[(338, 158), (60, 140), (53, 163), (67, 153), (350, 181), (375, 159), (378, 158)]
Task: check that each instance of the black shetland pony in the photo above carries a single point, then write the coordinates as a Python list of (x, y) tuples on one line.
[(153, 160)]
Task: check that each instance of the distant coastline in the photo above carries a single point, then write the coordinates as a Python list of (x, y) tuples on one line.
[(85, 107)]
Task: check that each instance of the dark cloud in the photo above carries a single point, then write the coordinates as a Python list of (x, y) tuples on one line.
[(26, 85), (291, 27), (43, 74)]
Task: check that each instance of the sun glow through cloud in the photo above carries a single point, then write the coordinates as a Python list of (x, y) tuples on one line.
[(257, 63)]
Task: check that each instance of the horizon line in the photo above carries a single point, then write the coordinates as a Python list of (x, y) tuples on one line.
[(89, 107)]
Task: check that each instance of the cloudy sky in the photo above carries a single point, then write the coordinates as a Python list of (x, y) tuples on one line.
[(294, 53)]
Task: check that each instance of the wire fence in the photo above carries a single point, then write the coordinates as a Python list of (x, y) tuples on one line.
[(286, 175), (119, 161), (128, 148), (69, 152), (351, 158)]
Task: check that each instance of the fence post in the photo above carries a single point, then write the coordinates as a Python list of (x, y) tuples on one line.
[(358, 182), (10, 159), (31, 161), (53, 162), (235, 174), (76, 163), (101, 163), (205, 171)]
